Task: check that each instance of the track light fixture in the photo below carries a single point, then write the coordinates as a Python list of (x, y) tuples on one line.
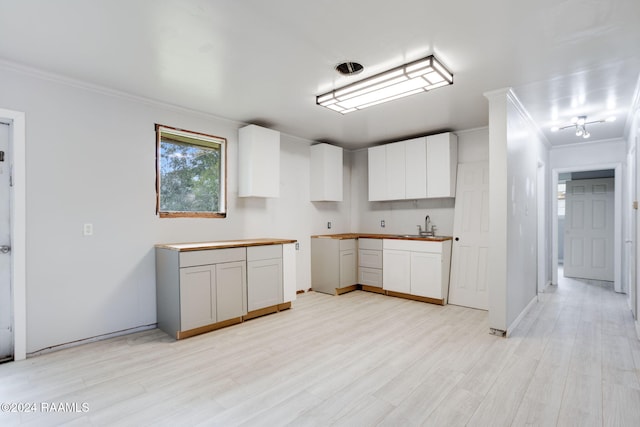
[(579, 124)]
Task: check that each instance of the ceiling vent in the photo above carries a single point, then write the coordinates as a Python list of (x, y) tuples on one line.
[(349, 68)]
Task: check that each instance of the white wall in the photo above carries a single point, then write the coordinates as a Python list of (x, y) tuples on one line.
[(402, 217), (633, 138), (90, 157), (515, 149)]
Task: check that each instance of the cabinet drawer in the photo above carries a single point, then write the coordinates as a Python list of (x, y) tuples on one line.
[(212, 256), (346, 244), (370, 276), (255, 253), (374, 244), (370, 258)]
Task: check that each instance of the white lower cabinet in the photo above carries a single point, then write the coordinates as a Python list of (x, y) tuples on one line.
[(264, 276), (205, 289), (348, 267), (417, 268), (333, 264), (426, 272), (211, 293), (197, 296), (231, 290), (396, 271)]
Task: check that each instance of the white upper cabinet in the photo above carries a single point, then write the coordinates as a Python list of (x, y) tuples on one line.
[(259, 162), (395, 166), (417, 168), (442, 165), (377, 173), (326, 173)]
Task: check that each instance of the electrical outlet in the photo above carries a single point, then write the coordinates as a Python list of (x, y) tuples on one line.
[(297, 246), (87, 229), (329, 224), (382, 223)]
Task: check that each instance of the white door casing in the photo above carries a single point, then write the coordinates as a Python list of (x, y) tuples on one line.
[(589, 223), (6, 306), (468, 284)]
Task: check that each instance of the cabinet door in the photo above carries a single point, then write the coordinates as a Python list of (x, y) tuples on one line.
[(197, 296), (264, 283), (395, 271), (416, 168), (377, 173), (426, 274), (442, 165), (289, 262), (326, 173), (348, 268), (230, 290), (395, 167), (258, 162)]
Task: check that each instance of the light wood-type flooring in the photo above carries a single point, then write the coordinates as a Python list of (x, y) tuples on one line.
[(360, 359)]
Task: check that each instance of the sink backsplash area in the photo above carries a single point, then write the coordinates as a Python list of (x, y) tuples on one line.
[(403, 217)]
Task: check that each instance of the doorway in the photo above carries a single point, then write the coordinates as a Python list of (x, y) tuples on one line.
[(559, 233), (6, 305), (14, 167)]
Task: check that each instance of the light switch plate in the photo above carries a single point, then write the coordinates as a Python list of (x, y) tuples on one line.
[(87, 229)]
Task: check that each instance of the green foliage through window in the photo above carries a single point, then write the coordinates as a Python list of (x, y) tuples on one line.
[(191, 173)]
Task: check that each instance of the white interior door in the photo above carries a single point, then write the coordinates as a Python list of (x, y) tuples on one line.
[(468, 284), (6, 314), (588, 236)]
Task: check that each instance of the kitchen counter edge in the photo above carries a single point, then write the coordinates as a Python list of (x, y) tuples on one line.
[(222, 244), (343, 236)]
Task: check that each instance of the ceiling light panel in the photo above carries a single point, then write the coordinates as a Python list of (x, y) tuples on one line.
[(409, 79)]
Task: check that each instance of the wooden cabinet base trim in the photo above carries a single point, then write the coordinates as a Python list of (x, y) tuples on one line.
[(260, 312), (373, 289), (415, 297), (208, 328), (340, 291), (284, 306)]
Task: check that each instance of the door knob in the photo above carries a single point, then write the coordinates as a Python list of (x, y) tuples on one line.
[(5, 249)]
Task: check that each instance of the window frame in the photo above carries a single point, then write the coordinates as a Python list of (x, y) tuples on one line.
[(206, 138)]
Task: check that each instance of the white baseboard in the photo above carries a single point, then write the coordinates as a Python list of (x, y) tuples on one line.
[(524, 312), (93, 339)]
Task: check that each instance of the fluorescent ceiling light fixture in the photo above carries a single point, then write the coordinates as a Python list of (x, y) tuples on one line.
[(415, 77)]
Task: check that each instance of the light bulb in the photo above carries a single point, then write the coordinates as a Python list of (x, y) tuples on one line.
[(555, 129), (610, 119), (578, 132), (581, 120), (586, 135)]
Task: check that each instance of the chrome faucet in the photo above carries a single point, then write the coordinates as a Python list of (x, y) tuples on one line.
[(429, 231)]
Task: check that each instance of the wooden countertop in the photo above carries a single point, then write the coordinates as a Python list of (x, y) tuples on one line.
[(221, 244), (381, 236)]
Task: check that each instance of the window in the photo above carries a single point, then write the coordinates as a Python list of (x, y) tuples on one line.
[(190, 174)]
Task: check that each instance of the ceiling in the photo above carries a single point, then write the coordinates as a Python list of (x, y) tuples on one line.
[(263, 62)]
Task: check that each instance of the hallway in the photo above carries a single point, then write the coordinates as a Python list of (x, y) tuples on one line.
[(588, 373)]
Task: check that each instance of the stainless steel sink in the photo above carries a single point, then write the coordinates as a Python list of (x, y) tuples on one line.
[(417, 236)]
